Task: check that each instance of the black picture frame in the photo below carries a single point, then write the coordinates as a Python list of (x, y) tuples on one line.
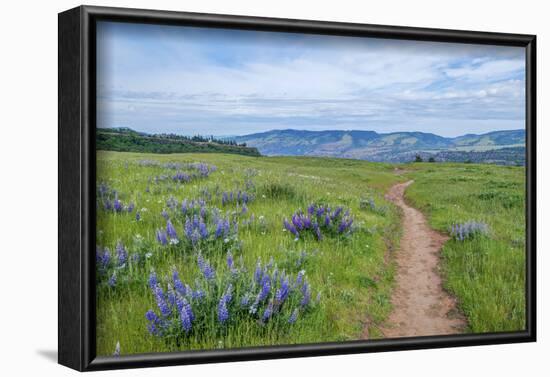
[(76, 163)]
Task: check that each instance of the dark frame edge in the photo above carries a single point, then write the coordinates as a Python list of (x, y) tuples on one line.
[(70, 340)]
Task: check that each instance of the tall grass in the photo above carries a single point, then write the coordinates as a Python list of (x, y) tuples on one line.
[(486, 270)]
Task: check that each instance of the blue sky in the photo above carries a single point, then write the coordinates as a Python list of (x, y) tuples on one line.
[(190, 81)]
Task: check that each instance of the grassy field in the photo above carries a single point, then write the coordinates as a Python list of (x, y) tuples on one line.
[(336, 283), (486, 274), (349, 270)]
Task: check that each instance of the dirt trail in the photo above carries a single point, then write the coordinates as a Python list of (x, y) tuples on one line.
[(420, 305)]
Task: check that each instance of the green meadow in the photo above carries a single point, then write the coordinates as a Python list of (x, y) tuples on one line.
[(340, 282)]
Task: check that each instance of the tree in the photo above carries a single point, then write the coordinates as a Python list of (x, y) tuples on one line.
[(418, 158), (431, 159)]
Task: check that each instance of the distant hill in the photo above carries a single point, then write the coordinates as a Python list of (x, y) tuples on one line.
[(505, 147), (127, 140)]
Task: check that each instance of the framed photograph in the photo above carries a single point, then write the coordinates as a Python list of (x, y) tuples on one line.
[(240, 188)]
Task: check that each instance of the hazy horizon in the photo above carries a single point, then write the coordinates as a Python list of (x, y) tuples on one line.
[(221, 82)]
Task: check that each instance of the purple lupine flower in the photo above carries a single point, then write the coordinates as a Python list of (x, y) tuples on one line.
[(161, 301), (320, 211), (226, 227), (258, 272), (161, 237), (195, 222), (245, 300), (223, 313), (291, 228), (151, 316), (203, 230), (131, 207), (188, 228), (138, 216), (306, 220), (171, 295), (184, 206), (297, 222), (311, 209), (300, 278), (283, 292), (265, 287), (337, 212), (185, 321), (107, 204), (153, 282), (184, 305), (244, 209), (117, 205), (112, 280), (293, 316), (306, 294), (122, 254), (205, 268), (178, 285), (164, 214), (229, 260), (219, 228), (327, 220), (268, 312), (317, 231), (170, 230), (198, 294), (195, 236)]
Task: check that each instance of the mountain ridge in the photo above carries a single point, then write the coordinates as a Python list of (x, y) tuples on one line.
[(400, 146)]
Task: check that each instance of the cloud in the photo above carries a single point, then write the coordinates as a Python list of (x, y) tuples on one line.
[(191, 80)]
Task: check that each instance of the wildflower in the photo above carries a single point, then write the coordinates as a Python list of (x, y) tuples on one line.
[(223, 313), (153, 321), (203, 230), (219, 228), (317, 231), (130, 207), (161, 237), (122, 254), (112, 280), (293, 316), (283, 292), (117, 205), (300, 278), (185, 320), (178, 285), (161, 301), (164, 214), (205, 268), (170, 230), (306, 294), (268, 312), (265, 287), (138, 216), (153, 282), (258, 272), (229, 259)]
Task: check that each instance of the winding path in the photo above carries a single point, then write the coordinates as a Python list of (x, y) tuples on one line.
[(421, 306)]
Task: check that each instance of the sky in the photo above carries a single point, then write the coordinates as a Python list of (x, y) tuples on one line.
[(189, 80)]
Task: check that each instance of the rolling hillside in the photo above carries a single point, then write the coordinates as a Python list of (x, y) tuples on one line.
[(127, 140), (505, 147)]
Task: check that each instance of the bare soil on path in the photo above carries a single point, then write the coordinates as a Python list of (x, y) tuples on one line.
[(421, 306)]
